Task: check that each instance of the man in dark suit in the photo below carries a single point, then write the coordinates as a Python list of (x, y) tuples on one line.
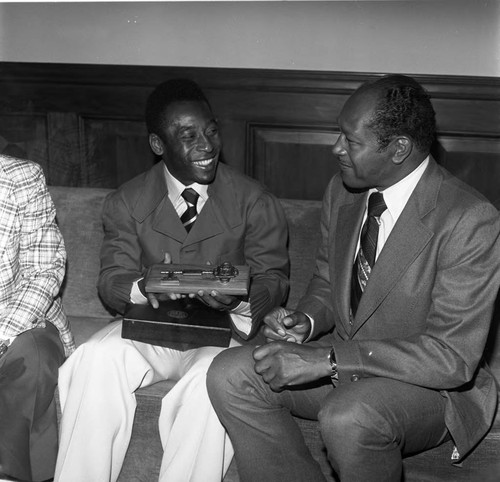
[(225, 216), (400, 306)]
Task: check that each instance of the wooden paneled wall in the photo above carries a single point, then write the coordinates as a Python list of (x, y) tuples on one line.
[(84, 123)]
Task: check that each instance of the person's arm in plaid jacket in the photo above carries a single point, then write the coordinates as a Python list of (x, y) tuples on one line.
[(33, 257)]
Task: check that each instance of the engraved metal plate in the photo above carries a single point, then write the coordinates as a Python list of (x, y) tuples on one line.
[(177, 278)]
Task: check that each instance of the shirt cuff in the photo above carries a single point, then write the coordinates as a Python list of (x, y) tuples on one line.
[(241, 317), (311, 319), (136, 296)]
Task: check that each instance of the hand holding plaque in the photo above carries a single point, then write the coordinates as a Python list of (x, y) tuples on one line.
[(187, 279)]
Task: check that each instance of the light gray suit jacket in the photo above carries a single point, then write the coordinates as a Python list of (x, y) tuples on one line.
[(426, 312)]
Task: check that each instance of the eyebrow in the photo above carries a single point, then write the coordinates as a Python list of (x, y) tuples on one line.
[(186, 127)]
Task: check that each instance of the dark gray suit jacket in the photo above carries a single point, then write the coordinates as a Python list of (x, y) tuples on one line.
[(241, 223)]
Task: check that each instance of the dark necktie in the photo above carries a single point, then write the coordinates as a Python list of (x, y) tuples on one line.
[(367, 249), (189, 216)]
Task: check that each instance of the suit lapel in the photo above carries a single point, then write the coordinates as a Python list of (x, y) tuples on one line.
[(221, 209), (206, 226), (166, 221), (343, 251), (404, 245), (154, 198)]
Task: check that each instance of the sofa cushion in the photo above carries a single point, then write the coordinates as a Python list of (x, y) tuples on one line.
[(79, 216), (83, 327)]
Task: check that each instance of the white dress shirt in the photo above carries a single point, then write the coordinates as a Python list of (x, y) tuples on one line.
[(395, 197)]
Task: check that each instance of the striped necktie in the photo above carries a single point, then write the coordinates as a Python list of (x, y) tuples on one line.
[(190, 214), (367, 249)]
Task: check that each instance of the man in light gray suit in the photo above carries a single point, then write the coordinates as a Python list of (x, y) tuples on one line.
[(385, 348)]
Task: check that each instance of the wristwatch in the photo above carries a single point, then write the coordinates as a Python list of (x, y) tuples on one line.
[(3, 347), (334, 374)]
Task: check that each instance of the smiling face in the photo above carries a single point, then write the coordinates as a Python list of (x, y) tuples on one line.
[(362, 166), (189, 142)]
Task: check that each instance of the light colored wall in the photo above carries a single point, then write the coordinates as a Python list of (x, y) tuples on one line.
[(455, 37)]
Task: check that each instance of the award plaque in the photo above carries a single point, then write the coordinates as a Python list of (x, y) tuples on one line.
[(181, 324), (184, 278)]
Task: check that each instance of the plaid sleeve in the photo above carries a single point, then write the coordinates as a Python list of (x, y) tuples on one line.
[(33, 261)]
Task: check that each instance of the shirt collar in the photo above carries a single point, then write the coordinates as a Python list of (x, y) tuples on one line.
[(397, 195), (175, 187)]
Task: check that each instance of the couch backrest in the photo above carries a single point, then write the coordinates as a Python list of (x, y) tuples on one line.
[(79, 217), (303, 224)]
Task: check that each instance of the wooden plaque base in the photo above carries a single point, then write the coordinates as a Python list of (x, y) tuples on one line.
[(181, 324)]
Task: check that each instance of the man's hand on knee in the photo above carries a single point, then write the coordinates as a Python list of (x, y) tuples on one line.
[(283, 364)]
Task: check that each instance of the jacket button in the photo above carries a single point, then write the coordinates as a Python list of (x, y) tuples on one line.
[(354, 378)]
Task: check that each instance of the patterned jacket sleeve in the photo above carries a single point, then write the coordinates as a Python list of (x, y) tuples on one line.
[(33, 261)]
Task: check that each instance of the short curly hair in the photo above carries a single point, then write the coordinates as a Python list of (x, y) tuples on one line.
[(403, 107), (168, 92)]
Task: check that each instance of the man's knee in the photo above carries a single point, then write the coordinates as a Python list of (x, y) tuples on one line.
[(346, 423), (31, 371), (41, 352), (227, 373), (202, 358)]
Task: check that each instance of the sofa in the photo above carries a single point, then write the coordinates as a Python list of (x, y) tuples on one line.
[(79, 218)]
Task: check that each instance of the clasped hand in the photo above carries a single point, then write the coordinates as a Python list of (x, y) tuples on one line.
[(286, 325), (211, 298)]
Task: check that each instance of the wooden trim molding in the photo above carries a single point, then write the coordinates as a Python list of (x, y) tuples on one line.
[(270, 80), (84, 123)]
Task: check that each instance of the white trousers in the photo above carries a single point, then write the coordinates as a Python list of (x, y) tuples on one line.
[(97, 387)]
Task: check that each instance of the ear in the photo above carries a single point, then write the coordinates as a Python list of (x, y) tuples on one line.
[(156, 144), (402, 149)]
